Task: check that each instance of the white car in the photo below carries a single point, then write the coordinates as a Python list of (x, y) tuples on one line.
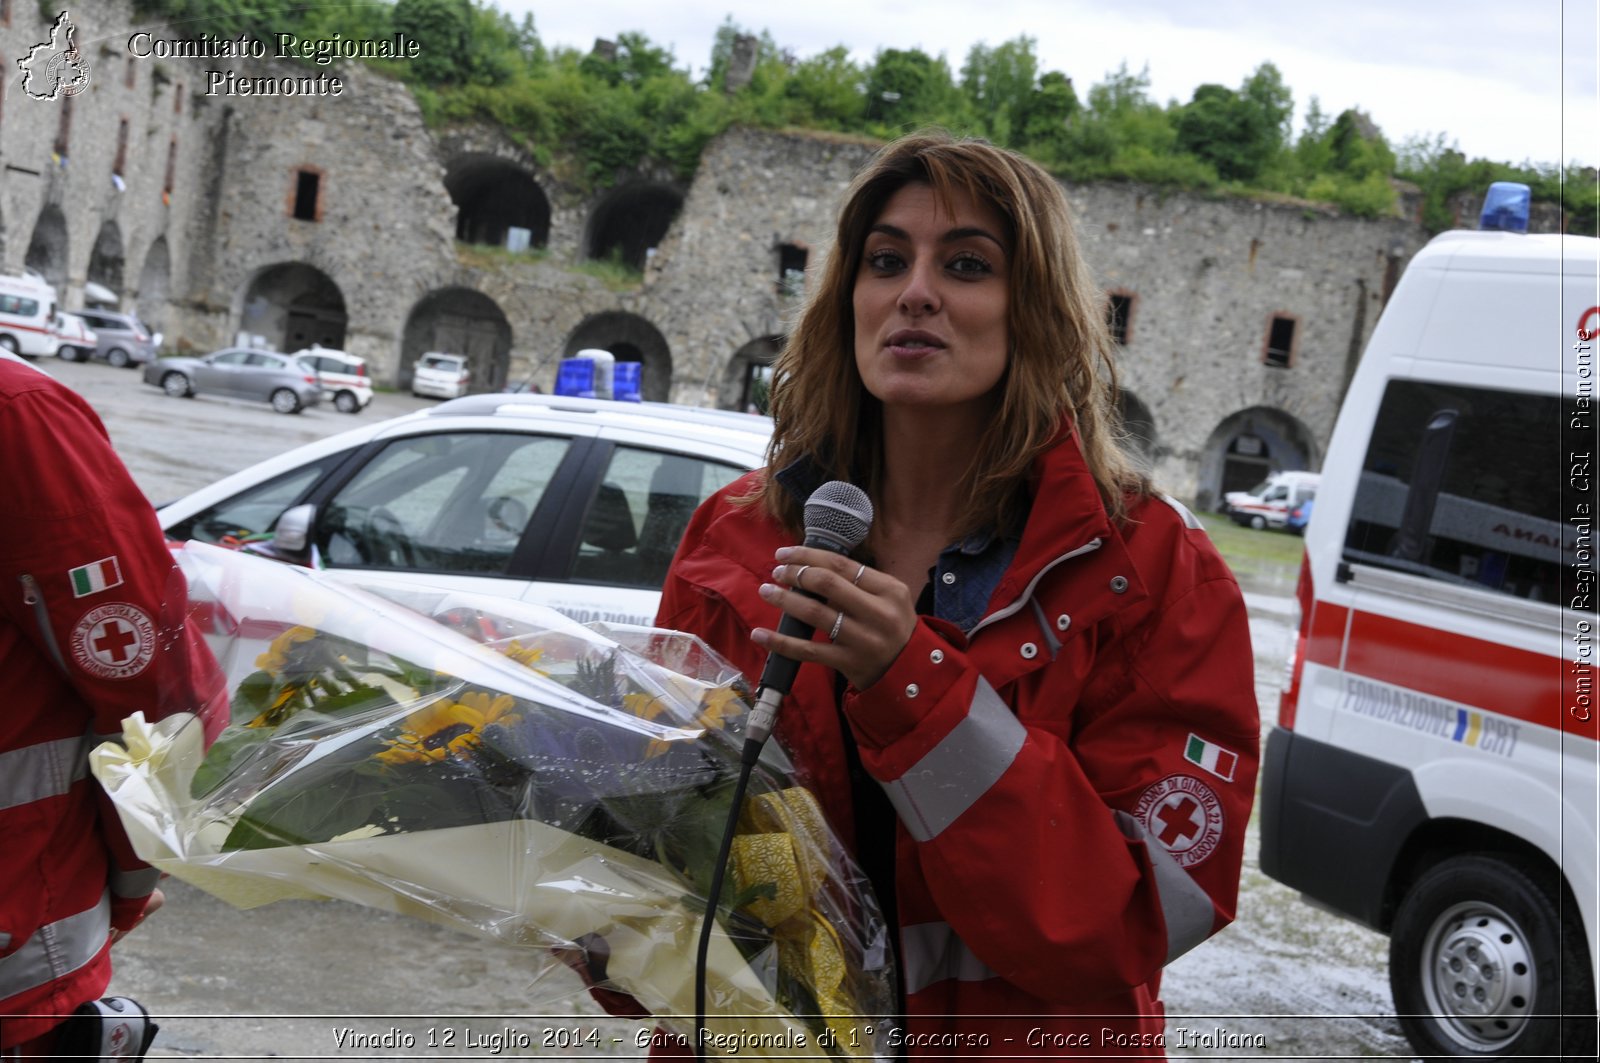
[(577, 504), (343, 377), (441, 376), (76, 341)]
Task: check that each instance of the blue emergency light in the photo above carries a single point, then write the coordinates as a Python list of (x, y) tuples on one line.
[(1506, 207)]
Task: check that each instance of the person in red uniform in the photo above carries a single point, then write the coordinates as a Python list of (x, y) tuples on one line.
[(93, 629), (1029, 704)]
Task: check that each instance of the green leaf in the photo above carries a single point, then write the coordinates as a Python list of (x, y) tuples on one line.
[(232, 749)]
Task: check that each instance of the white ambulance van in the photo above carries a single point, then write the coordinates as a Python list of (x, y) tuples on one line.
[(1432, 774), (28, 316), (1275, 502)]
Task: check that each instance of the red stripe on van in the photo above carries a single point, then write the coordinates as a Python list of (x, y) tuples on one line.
[(1521, 684)]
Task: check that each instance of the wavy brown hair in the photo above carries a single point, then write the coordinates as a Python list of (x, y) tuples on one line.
[(1059, 366)]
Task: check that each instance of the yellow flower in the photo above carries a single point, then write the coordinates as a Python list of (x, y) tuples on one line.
[(277, 654), (447, 728), (527, 656), (720, 706)]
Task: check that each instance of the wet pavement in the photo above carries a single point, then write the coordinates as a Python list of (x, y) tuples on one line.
[(329, 980)]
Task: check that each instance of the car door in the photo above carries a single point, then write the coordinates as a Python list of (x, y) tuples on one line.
[(453, 509), (261, 375), (218, 373), (608, 558)]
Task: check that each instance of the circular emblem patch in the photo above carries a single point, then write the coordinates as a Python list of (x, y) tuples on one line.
[(114, 641), (1184, 815)]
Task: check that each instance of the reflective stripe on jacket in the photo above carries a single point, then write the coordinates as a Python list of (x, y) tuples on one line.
[(1060, 838), (92, 629)]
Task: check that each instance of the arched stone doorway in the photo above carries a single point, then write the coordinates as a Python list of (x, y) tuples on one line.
[(47, 250), (630, 222), (1247, 447), (629, 338), (155, 280), (106, 260), (747, 378), (459, 321), (493, 197), (291, 305)]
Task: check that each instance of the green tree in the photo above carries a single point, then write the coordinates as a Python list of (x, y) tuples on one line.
[(443, 32), (1241, 134), (827, 90), (1000, 83), (1050, 114), (909, 88)]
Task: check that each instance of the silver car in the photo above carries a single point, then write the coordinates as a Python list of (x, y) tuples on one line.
[(122, 339), (238, 373)]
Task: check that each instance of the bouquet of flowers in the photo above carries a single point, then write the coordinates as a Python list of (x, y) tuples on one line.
[(498, 768)]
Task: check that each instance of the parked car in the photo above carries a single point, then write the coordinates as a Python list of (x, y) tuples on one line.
[(343, 377), (239, 373), (577, 504), (75, 340), (122, 339), (441, 376)]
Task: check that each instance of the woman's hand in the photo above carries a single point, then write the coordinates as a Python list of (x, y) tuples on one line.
[(866, 616)]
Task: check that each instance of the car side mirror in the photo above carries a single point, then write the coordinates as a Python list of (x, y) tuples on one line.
[(292, 534)]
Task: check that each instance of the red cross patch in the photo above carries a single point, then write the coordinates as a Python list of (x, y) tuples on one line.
[(1184, 815), (114, 641)]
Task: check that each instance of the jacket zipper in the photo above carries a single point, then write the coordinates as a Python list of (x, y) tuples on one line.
[(1027, 592), (34, 599)]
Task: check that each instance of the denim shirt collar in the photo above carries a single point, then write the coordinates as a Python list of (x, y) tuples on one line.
[(966, 573)]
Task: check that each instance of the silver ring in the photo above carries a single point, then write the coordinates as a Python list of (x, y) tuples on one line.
[(801, 572), (838, 622), (856, 581)]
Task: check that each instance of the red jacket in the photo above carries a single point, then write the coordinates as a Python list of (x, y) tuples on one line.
[(92, 629), (1073, 776)]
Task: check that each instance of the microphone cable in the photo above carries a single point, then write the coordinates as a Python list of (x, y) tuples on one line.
[(838, 516)]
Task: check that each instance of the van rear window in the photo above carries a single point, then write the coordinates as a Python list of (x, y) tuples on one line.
[(1468, 485)]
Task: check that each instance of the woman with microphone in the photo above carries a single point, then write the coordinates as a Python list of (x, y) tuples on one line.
[(1029, 703)]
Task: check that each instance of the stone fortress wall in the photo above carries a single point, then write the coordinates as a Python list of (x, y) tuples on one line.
[(344, 220)]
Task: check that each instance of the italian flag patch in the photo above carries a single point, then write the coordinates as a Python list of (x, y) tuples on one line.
[(96, 577), (1210, 756)]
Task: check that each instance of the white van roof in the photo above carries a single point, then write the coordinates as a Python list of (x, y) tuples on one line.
[(1499, 252)]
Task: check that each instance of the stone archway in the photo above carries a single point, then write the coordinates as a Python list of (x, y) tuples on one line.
[(458, 321), (629, 338), (748, 375), (47, 250), (1138, 427), (289, 306), (629, 223), (494, 198), (1247, 447), (155, 281), (106, 261)]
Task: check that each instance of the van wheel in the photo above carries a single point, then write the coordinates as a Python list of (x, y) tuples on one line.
[(345, 402), (176, 385), (9, 343), (69, 354), (118, 358), (1257, 521), (285, 401), (1479, 965)]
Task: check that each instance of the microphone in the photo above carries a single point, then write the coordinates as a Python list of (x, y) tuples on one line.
[(837, 517)]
